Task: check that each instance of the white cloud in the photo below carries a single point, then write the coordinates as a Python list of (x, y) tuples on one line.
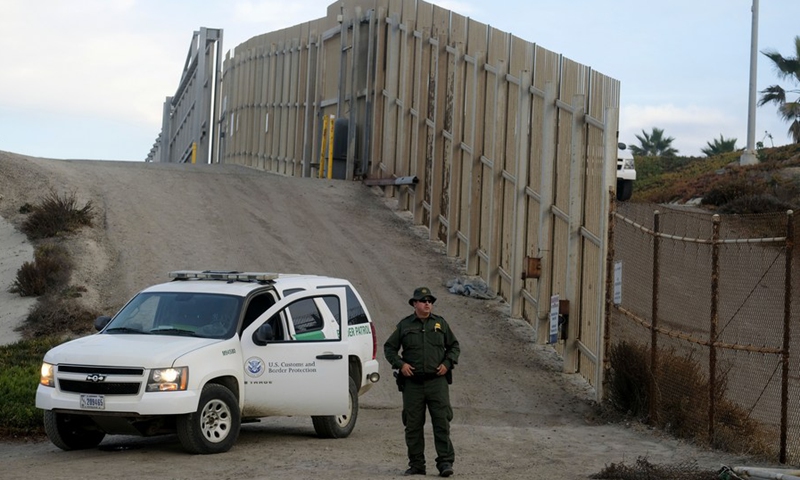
[(276, 14), (466, 9), (82, 59)]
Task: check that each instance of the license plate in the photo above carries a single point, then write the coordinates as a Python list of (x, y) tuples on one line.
[(93, 402)]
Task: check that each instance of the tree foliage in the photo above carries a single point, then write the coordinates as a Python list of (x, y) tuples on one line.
[(719, 146), (787, 68), (654, 144)]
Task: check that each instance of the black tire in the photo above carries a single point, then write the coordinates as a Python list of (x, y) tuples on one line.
[(339, 426), (71, 432), (624, 190), (214, 427)]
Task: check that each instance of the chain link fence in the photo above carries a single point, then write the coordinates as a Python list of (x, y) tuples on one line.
[(710, 299)]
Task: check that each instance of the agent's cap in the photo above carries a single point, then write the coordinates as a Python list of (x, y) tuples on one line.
[(421, 293)]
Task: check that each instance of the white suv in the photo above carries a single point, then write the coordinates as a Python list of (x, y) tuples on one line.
[(626, 175), (208, 351)]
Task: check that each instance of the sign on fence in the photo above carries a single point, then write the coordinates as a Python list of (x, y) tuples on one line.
[(554, 319)]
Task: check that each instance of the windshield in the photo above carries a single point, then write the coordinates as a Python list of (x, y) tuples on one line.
[(204, 315)]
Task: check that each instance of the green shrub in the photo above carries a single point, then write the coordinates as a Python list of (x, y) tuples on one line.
[(761, 203), (56, 215), (723, 193), (20, 364), (662, 180), (48, 272)]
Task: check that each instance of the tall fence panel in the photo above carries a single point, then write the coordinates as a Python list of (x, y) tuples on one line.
[(189, 116)]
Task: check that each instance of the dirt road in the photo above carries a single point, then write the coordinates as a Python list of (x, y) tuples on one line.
[(516, 414)]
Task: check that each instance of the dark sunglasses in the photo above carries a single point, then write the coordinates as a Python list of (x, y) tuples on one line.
[(426, 300)]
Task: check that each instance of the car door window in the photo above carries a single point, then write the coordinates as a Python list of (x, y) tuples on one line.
[(257, 306), (355, 310), (307, 320)]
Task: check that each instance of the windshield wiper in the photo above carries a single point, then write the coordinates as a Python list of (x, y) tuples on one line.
[(179, 331), (126, 330)]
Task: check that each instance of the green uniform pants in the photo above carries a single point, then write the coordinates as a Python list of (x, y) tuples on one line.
[(435, 395)]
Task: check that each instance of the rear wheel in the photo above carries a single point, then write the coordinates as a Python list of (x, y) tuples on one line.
[(339, 426), (624, 190), (71, 432), (214, 427)]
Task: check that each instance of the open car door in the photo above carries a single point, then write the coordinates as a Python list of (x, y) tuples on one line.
[(285, 375)]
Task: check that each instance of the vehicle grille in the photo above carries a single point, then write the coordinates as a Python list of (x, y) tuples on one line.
[(112, 388), (102, 387), (102, 370)]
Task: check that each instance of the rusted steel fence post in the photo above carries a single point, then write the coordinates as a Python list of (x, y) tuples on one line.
[(787, 332), (712, 334), (654, 321), (612, 213)]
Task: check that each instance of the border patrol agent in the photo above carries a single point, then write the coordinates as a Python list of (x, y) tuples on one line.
[(430, 350)]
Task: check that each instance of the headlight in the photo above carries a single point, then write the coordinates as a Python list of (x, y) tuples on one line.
[(47, 377), (168, 379), (629, 164)]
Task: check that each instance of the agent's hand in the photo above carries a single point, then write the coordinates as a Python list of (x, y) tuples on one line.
[(407, 370), (442, 370)]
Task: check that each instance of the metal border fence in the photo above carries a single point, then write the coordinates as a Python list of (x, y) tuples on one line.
[(512, 147), (716, 289)]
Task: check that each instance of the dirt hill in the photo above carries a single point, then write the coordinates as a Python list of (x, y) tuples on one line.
[(516, 414)]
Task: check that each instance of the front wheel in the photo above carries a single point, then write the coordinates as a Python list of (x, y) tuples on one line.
[(214, 427), (624, 189), (339, 426), (71, 432)]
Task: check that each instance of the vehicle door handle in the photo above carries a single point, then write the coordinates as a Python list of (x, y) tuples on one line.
[(329, 356)]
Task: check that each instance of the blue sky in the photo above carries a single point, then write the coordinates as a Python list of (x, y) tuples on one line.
[(86, 79)]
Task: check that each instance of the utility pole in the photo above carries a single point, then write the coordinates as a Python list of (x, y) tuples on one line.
[(749, 155)]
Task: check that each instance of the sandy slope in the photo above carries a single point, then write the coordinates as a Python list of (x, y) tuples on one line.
[(516, 415), (14, 251)]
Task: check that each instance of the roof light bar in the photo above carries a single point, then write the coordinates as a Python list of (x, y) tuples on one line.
[(221, 275)]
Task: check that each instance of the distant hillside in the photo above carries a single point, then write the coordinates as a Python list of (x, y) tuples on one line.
[(720, 183)]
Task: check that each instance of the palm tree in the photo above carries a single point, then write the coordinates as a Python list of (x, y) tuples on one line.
[(785, 67), (654, 144), (721, 145)]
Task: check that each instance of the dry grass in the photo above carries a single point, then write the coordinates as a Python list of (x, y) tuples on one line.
[(58, 311), (57, 315), (48, 272), (644, 470), (56, 215), (683, 400)]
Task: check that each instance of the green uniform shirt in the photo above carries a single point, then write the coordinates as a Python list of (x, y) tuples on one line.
[(425, 344)]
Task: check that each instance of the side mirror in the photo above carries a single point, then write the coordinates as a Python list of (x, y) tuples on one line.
[(621, 146), (263, 334), (101, 322)]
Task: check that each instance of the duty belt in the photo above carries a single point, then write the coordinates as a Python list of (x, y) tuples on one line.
[(418, 377)]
